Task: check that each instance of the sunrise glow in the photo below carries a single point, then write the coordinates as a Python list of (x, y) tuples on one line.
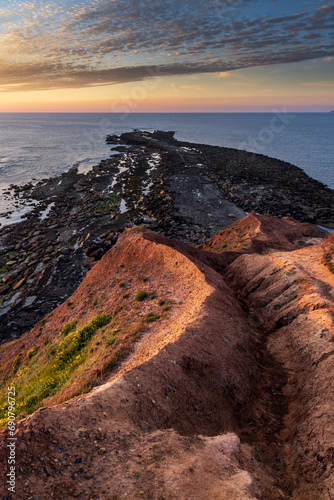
[(116, 56)]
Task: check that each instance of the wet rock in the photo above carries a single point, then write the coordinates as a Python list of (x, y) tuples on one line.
[(30, 300)]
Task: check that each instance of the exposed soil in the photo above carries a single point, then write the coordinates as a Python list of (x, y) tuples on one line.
[(228, 396)]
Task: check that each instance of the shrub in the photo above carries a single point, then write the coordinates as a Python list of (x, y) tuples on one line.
[(122, 284), (141, 295), (17, 362), (150, 317), (32, 352), (161, 302), (69, 327)]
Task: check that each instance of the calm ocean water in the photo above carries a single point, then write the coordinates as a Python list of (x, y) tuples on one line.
[(39, 145)]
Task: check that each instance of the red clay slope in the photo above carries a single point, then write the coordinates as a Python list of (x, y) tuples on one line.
[(262, 233), (291, 295), (212, 370)]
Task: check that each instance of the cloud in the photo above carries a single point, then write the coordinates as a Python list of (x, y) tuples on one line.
[(329, 83), (191, 87), (224, 74), (102, 42)]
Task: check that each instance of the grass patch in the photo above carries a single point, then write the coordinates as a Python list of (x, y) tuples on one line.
[(43, 376), (150, 318), (166, 308), (79, 340), (161, 302), (69, 327), (141, 295)]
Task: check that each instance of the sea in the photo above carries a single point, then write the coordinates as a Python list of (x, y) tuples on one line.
[(35, 146)]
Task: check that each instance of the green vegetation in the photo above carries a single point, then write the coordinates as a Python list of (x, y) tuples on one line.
[(7, 258), (150, 317), (17, 362), (72, 360), (144, 279), (79, 341), (104, 207), (69, 327), (32, 352), (141, 295), (112, 339), (42, 376), (166, 308)]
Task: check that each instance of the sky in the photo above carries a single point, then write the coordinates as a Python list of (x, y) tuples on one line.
[(166, 55)]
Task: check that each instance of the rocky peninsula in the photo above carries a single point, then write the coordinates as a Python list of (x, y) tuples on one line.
[(170, 345), (184, 191)]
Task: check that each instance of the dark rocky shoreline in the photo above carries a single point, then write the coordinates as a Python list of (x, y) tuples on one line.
[(185, 191)]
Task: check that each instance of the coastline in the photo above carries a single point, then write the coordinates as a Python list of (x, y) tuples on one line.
[(182, 190)]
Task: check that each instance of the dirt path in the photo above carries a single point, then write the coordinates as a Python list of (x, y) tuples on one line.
[(290, 297)]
